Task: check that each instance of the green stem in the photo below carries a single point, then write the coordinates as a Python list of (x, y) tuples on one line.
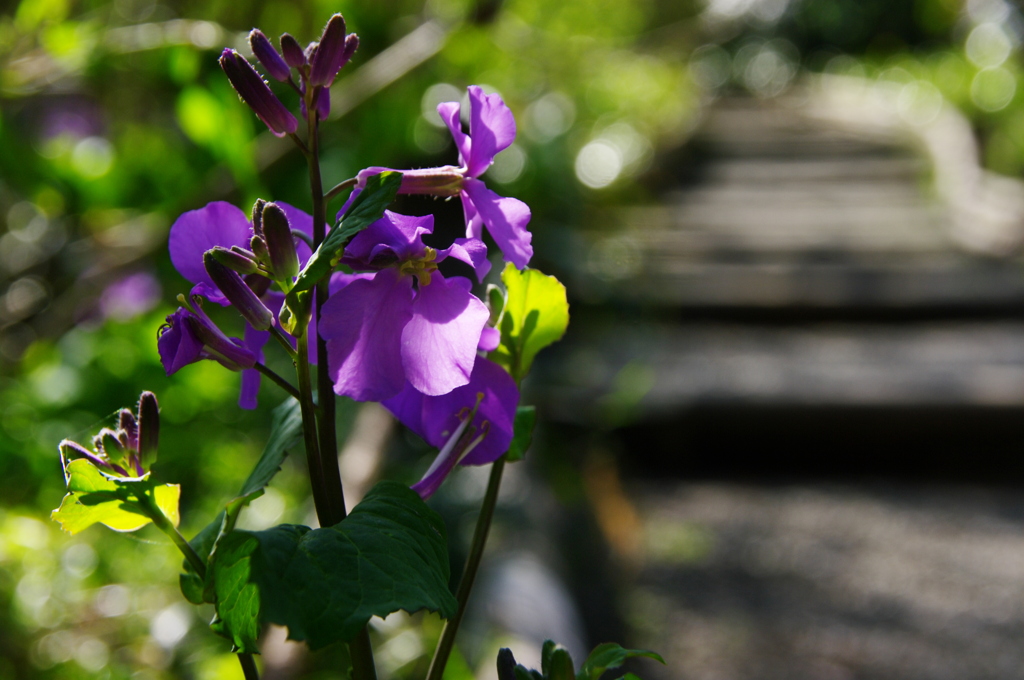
[(248, 667), (476, 551), (278, 380), (316, 476), (363, 667), (164, 524), (338, 188), (282, 340), (326, 424)]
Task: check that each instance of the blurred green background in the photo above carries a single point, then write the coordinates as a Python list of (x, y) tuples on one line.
[(116, 118)]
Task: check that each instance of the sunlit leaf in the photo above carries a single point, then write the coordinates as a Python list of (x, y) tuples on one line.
[(536, 315)]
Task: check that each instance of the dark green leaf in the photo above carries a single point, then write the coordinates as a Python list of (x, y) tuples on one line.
[(610, 655), (390, 553), (522, 437), (285, 433), (367, 208)]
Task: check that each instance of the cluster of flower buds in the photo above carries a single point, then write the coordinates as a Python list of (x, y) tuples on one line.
[(273, 257), (126, 451), (317, 66)]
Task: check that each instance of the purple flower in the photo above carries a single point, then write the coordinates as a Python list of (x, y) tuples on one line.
[(491, 130), (189, 335), (444, 421), (224, 225), (404, 322)]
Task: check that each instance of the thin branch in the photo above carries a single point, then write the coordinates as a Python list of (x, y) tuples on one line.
[(278, 380), (338, 188)]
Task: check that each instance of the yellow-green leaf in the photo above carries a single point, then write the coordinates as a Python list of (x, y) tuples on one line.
[(536, 315)]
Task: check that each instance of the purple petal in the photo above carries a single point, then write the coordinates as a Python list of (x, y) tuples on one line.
[(177, 344), (254, 340), (472, 251), (506, 220), (489, 339), (362, 324), (394, 237), (437, 418), (492, 128), (449, 112), (439, 342), (196, 231)]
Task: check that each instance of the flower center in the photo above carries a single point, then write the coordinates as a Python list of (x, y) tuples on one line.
[(420, 267)]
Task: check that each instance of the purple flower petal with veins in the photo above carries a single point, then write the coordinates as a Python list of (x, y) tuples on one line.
[(438, 420), (492, 129), (405, 322)]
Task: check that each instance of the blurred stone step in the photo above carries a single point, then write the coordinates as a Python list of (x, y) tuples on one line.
[(651, 370)]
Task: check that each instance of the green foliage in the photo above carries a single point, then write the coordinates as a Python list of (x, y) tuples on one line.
[(368, 207), (610, 655), (536, 315), (522, 432), (557, 664), (285, 433), (390, 553), (119, 503)]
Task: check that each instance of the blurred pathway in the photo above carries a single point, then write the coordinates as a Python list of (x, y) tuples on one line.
[(809, 582)]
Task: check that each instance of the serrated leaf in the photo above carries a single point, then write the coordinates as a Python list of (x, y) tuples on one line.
[(536, 315), (367, 208), (522, 433), (610, 655), (94, 497), (390, 553), (285, 432)]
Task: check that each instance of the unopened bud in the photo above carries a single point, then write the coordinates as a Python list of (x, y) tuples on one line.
[(254, 92), (278, 235), (330, 54), (264, 50), (293, 54), (259, 249), (149, 428), (238, 294), (234, 260), (257, 217), (127, 423)]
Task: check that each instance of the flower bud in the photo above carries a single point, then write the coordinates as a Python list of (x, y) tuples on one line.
[(70, 450), (257, 217), (254, 92), (149, 428), (331, 54), (235, 259), (278, 234), (268, 56), (293, 54), (259, 249), (238, 294), (127, 423)]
